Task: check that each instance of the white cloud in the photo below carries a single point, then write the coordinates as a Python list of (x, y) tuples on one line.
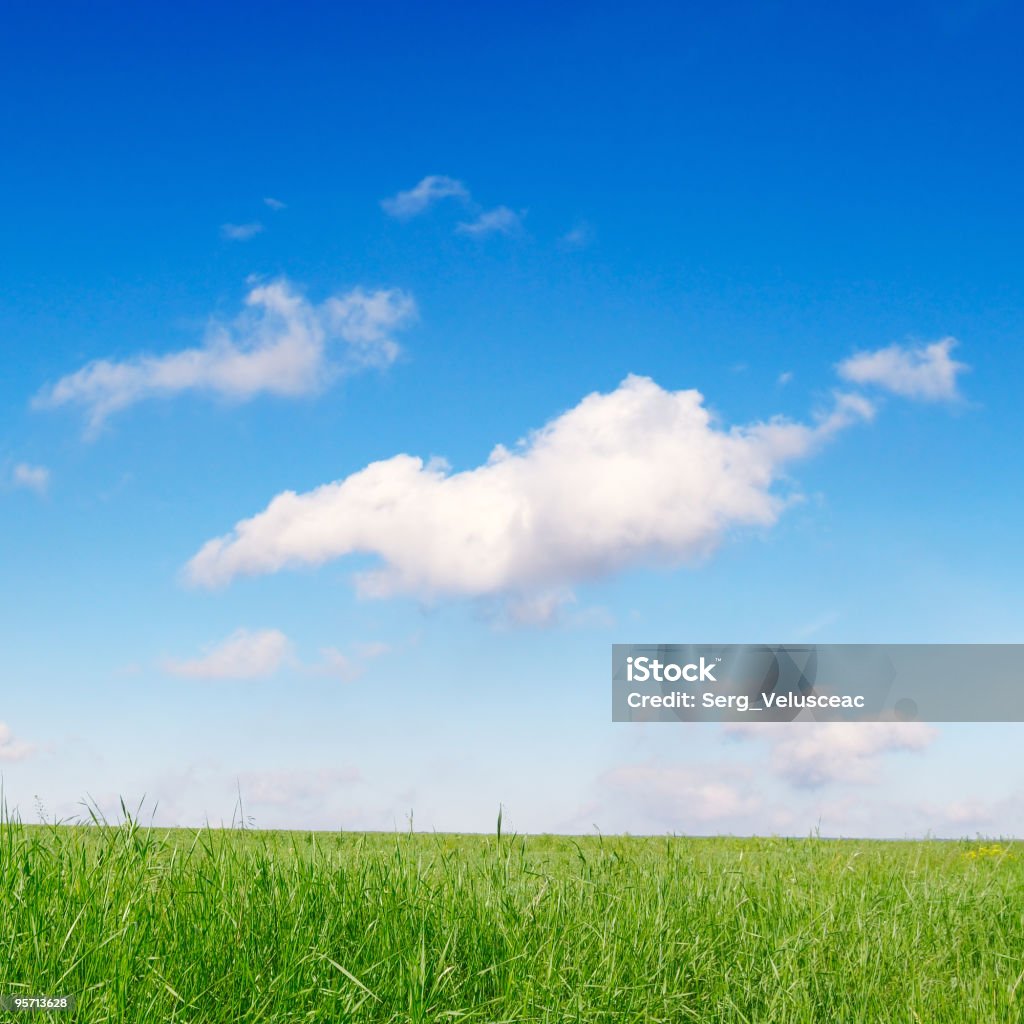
[(785, 377), (282, 344), (275, 204), (12, 749), (418, 199), (925, 372), (245, 654), (810, 754), (241, 232), (31, 478), (638, 476), (499, 221), (435, 187)]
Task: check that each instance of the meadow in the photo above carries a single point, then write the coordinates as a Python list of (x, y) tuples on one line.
[(237, 925)]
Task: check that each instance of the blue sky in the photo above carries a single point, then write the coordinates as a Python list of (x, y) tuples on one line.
[(477, 219)]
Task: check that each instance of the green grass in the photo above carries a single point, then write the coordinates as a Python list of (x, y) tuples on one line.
[(229, 925)]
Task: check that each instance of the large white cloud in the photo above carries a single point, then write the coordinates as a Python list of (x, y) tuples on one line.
[(281, 344), (924, 372), (639, 475)]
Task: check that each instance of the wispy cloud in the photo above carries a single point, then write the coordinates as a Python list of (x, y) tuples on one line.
[(418, 199), (499, 221), (245, 654), (924, 372), (261, 653), (31, 478), (637, 476), (274, 204), (281, 344), (241, 232)]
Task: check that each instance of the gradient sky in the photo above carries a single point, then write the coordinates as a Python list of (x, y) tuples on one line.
[(462, 222)]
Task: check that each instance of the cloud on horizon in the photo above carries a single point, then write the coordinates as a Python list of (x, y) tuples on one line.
[(638, 476), (926, 373), (281, 344)]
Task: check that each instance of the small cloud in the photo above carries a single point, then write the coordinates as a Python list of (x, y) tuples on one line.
[(785, 378), (12, 749), (274, 204), (241, 232), (923, 372), (281, 344), (418, 199), (245, 654), (31, 478), (578, 237), (499, 221)]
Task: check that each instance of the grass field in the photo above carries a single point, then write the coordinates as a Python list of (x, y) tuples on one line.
[(229, 925)]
